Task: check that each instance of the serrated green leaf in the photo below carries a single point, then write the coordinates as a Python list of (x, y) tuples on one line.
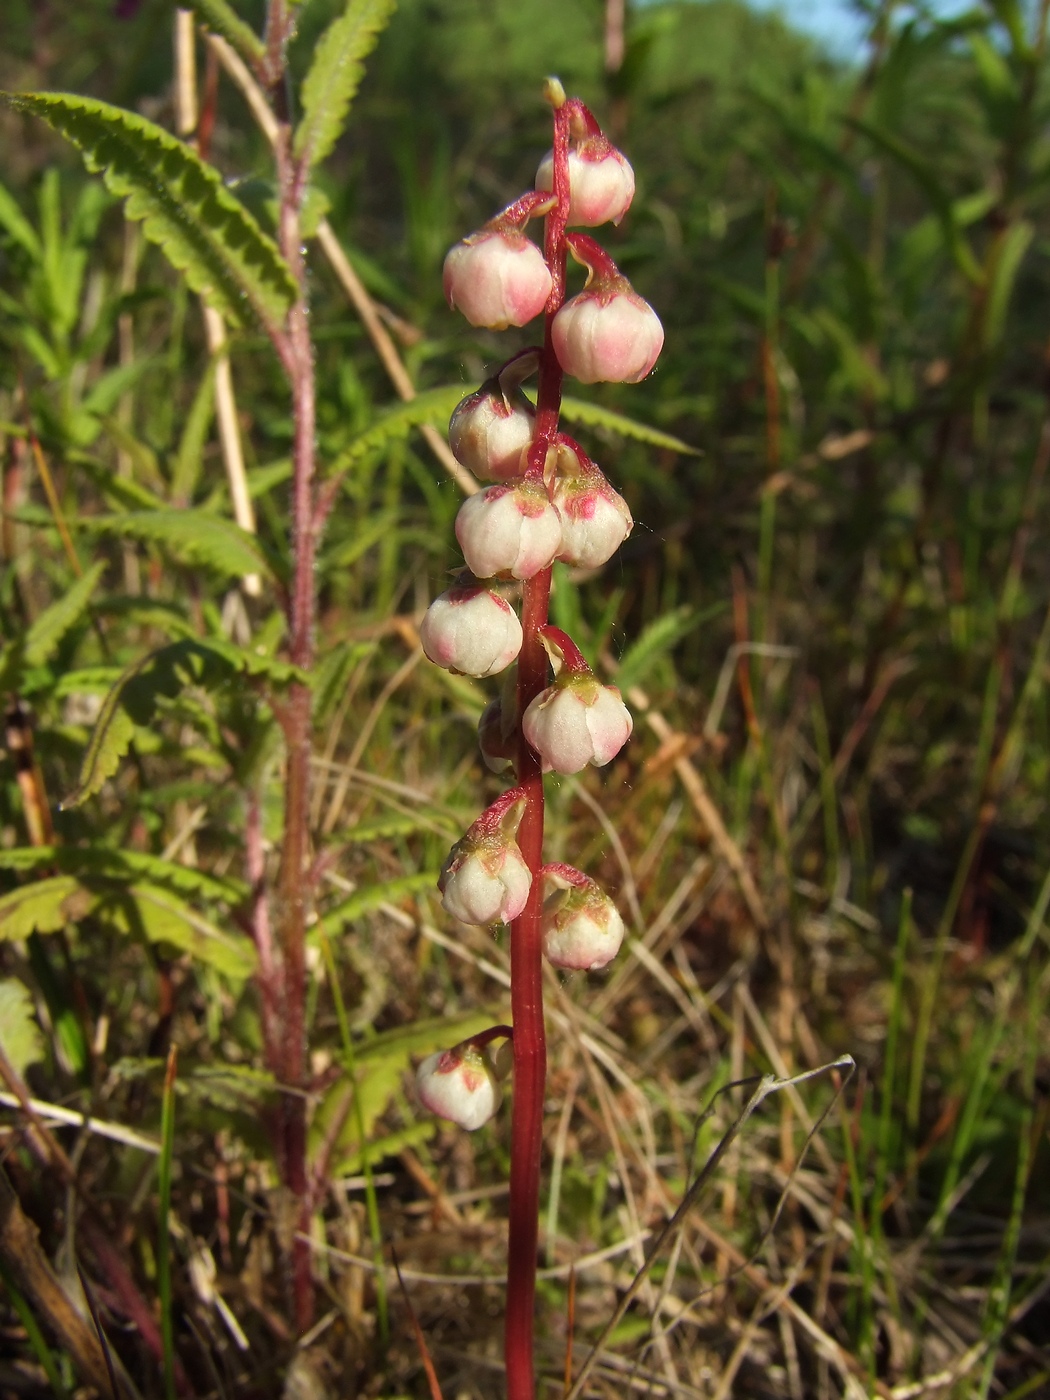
[(20, 1036), (382, 828), (161, 917), (54, 622), (104, 863), (433, 406), (161, 675), (659, 638), (335, 75), (17, 226), (592, 415), (203, 230), (186, 469), (44, 907), (362, 902), (193, 536), (222, 19)]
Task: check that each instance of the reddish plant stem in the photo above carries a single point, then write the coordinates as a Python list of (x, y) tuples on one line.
[(296, 351), (526, 953)]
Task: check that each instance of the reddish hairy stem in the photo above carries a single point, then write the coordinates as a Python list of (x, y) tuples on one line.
[(526, 953)]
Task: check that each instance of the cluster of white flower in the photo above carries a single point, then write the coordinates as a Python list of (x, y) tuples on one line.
[(548, 502)]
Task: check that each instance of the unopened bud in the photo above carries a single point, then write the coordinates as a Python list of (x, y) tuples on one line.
[(459, 1084), (576, 721), (606, 333), (601, 182), (485, 879), (581, 927), (491, 428), (595, 519), (471, 630), (509, 529)]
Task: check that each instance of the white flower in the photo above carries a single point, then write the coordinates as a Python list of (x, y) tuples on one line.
[(601, 182), (581, 927), (485, 879), (603, 336), (577, 721), (471, 630), (595, 519), (489, 431), (508, 529), (459, 1084), (496, 278)]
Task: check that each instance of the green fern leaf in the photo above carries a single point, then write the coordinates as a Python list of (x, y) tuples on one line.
[(159, 916), (44, 907), (203, 230), (364, 901), (592, 415), (433, 406), (658, 639), (335, 75), (193, 537), (101, 862), (163, 674), (221, 19), (54, 622)]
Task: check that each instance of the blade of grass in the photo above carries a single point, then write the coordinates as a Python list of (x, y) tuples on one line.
[(167, 1152), (34, 1335), (371, 1200)]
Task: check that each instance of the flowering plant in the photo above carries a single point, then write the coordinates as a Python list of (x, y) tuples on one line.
[(550, 501)]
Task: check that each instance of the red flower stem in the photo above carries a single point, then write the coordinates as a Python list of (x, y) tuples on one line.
[(526, 952)]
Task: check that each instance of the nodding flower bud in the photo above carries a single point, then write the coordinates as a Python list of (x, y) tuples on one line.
[(581, 927), (471, 630), (595, 519), (575, 721), (485, 879), (497, 277), (606, 333), (460, 1084), (509, 529), (601, 182), (491, 428)]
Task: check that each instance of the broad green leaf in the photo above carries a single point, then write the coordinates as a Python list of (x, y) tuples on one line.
[(20, 1036), (335, 75), (54, 622), (162, 674), (364, 901), (192, 536), (103, 862), (161, 917), (592, 415), (433, 406), (222, 19), (203, 230), (44, 907)]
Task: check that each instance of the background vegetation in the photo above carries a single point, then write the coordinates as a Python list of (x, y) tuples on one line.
[(829, 836)]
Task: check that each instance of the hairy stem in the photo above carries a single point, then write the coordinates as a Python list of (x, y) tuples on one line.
[(526, 954)]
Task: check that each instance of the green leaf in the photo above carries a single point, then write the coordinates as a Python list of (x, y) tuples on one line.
[(161, 675), (186, 470), (17, 226), (592, 415), (161, 917), (433, 406), (335, 75), (54, 622), (362, 902), (1011, 253), (381, 1064), (659, 638), (203, 230), (44, 907), (20, 1036), (193, 537), (221, 19), (102, 862)]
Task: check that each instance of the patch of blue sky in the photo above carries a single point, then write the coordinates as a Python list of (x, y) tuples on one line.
[(841, 25)]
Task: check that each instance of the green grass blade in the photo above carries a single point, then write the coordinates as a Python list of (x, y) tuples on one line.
[(167, 1152)]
